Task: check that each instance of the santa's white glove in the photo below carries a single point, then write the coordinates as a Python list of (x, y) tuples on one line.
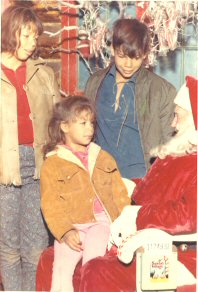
[(141, 238), (123, 226)]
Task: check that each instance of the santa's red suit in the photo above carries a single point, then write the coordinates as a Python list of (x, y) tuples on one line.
[(168, 196)]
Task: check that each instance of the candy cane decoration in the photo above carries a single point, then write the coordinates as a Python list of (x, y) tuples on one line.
[(165, 19)]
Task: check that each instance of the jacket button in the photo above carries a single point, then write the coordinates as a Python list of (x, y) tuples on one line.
[(90, 200), (68, 177), (25, 87)]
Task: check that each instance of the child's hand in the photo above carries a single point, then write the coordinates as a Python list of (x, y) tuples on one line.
[(72, 239)]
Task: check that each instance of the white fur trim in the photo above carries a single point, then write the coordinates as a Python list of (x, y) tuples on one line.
[(124, 225), (182, 98), (193, 137), (94, 150), (132, 242), (67, 154), (130, 185)]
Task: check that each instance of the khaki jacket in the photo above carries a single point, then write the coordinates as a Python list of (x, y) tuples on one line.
[(42, 92), (68, 189), (154, 106)]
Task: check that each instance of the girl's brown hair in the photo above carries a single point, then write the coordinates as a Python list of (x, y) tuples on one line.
[(67, 110), (12, 20), (132, 37)]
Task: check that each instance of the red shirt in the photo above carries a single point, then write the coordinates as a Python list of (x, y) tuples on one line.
[(18, 80)]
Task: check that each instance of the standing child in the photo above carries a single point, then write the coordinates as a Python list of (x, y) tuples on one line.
[(134, 106), (81, 189), (28, 91)]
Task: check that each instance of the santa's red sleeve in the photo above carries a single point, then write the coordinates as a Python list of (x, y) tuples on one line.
[(168, 196)]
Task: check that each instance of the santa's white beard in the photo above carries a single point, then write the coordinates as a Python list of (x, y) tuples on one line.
[(183, 142)]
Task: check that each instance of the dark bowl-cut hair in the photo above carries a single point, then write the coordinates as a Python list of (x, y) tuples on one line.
[(67, 110), (132, 37), (12, 20)]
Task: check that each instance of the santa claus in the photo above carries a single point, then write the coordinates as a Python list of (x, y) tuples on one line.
[(165, 199)]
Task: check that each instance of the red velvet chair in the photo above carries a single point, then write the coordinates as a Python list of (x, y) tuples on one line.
[(44, 271), (111, 267)]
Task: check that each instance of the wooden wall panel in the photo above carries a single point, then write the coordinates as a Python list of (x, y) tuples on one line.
[(47, 44), (69, 73)]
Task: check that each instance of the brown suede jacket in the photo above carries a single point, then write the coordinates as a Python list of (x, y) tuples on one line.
[(42, 92), (68, 189)]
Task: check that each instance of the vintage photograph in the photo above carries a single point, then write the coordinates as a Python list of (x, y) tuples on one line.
[(98, 145)]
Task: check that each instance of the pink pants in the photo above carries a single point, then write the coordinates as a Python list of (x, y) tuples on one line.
[(94, 238)]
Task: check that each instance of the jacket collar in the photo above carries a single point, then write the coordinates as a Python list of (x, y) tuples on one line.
[(32, 68), (67, 154), (5, 78)]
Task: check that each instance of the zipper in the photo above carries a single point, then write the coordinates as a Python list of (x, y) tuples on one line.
[(140, 132), (24, 84), (100, 201), (32, 76), (7, 82)]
